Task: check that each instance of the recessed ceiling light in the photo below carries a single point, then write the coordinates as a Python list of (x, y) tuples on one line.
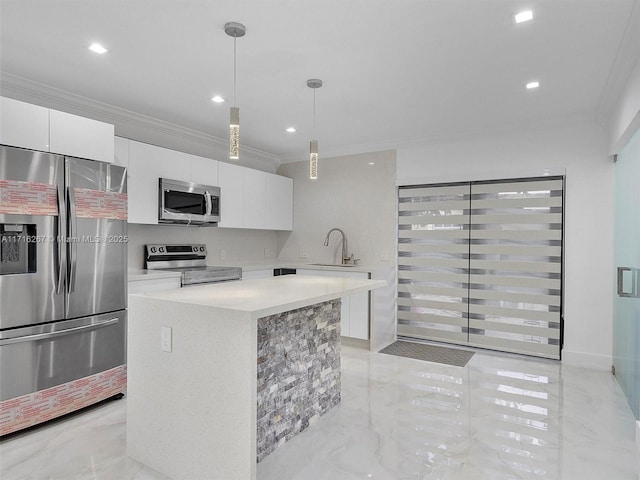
[(523, 16), (290, 130), (217, 99), (372, 163), (531, 85), (96, 47)]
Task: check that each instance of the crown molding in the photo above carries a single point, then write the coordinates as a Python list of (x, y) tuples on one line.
[(124, 120)]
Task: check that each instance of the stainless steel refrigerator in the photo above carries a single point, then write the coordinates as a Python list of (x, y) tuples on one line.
[(63, 285)]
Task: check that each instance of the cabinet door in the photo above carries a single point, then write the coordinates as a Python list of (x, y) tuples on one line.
[(121, 152), (230, 179), (279, 201), (359, 316), (204, 170), (255, 190), (80, 137), (24, 125), (148, 163)]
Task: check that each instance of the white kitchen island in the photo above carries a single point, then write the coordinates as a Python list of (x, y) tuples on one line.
[(193, 412)]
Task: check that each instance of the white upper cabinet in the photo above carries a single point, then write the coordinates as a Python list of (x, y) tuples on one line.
[(121, 152), (255, 191), (39, 128), (148, 163), (279, 202), (204, 170), (248, 198), (254, 199), (80, 137), (24, 125), (231, 180)]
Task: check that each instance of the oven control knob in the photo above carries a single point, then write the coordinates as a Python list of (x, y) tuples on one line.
[(161, 249), (195, 249), (153, 249), (202, 249)]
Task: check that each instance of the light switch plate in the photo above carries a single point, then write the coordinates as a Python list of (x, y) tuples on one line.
[(165, 339)]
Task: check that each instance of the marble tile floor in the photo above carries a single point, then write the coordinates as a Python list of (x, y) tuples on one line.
[(500, 417)]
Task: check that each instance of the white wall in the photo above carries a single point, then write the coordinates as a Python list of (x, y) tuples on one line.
[(349, 194), (581, 151), (239, 245), (625, 119)]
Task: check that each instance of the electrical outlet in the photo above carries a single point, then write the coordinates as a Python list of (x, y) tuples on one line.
[(303, 254), (165, 339), (223, 254), (267, 253)]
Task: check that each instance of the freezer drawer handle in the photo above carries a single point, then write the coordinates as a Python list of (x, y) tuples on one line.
[(44, 336)]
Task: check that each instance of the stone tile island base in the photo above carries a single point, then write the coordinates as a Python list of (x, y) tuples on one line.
[(298, 371)]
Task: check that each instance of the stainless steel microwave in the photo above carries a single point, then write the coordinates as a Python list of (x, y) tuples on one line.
[(188, 203)]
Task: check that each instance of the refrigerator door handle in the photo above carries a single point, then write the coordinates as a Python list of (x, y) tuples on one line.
[(60, 240), (45, 336), (73, 229)]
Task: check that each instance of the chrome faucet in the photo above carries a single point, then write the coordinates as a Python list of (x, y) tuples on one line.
[(345, 255)]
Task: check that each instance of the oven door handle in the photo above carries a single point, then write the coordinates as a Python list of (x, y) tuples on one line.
[(45, 336)]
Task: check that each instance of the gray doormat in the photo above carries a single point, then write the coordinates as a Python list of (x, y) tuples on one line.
[(429, 353)]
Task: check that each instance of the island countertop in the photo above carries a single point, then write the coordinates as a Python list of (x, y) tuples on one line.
[(267, 296)]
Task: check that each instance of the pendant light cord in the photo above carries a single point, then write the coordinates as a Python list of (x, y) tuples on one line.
[(234, 71), (313, 131)]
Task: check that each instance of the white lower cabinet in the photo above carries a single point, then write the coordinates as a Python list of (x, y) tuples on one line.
[(354, 314)]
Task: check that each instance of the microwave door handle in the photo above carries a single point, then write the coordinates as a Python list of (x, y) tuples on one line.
[(72, 259), (207, 197), (60, 239)]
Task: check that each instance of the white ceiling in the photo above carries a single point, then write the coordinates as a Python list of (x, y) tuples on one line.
[(394, 72)]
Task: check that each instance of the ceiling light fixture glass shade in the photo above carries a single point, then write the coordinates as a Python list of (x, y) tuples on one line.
[(234, 133), (313, 145), (235, 30), (313, 159)]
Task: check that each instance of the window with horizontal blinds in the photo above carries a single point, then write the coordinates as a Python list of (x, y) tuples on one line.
[(480, 263)]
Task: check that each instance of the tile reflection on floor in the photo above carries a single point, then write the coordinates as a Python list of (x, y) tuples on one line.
[(500, 417)]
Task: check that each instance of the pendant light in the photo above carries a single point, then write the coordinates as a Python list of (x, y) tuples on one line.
[(313, 145), (235, 30)]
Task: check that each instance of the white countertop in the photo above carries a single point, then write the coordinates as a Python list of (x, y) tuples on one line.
[(267, 296)]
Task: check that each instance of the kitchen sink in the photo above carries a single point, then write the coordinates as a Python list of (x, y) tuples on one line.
[(332, 265)]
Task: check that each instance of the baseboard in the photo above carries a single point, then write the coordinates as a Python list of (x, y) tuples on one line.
[(638, 439), (354, 342), (587, 360)]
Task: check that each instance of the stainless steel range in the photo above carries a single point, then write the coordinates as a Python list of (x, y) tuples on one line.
[(191, 261)]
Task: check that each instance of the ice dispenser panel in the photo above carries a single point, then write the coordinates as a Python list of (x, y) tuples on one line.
[(18, 248)]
